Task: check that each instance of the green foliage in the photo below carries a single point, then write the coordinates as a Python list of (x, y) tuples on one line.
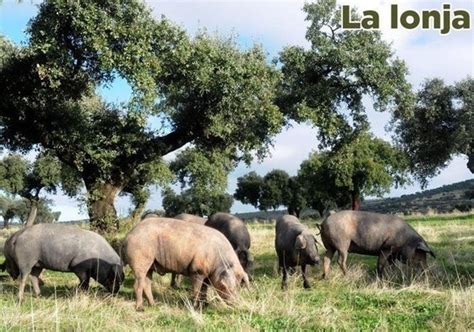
[(274, 186), (20, 177), (205, 91), (44, 215), (188, 201), (326, 84), (275, 189), (11, 208), (203, 179), (359, 166), (438, 127), (249, 187)]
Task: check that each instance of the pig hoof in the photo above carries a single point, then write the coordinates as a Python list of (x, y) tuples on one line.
[(140, 309), (306, 285)]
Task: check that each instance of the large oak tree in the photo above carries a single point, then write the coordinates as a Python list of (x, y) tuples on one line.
[(200, 90)]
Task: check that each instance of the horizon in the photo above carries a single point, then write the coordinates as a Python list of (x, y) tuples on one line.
[(275, 25)]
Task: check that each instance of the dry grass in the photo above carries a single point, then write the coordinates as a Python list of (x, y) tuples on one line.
[(441, 299)]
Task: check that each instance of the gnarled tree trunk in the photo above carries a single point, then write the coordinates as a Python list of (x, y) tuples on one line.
[(30, 221), (100, 205)]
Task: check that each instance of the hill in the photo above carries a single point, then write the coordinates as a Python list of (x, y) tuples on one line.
[(457, 196)]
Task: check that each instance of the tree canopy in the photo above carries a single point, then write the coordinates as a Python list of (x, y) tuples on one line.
[(326, 83), (438, 127), (271, 191), (358, 166), (200, 90), (19, 176)]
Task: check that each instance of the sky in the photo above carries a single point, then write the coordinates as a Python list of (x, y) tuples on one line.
[(275, 24)]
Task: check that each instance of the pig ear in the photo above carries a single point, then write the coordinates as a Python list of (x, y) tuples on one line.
[(300, 242), (424, 247)]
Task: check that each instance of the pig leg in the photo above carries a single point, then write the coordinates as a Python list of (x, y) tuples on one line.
[(197, 281), (21, 289), (35, 280), (342, 260), (327, 261), (283, 270), (305, 280), (382, 262), (139, 286), (84, 278), (174, 284), (148, 292)]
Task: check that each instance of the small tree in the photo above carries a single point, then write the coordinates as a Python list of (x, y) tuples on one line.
[(188, 201), (359, 165), (275, 189), (8, 210), (249, 189), (294, 196), (203, 179), (20, 177)]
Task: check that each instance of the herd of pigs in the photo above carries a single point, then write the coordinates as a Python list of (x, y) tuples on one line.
[(213, 252)]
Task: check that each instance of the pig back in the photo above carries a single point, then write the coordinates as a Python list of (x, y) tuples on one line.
[(366, 232), (287, 228), (179, 246), (233, 228), (60, 247), (190, 218)]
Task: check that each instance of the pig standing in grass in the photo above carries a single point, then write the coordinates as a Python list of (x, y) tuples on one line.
[(295, 245), (236, 232), (386, 236), (62, 248), (175, 279), (170, 245)]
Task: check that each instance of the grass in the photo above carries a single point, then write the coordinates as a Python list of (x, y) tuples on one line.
[(442, 299)]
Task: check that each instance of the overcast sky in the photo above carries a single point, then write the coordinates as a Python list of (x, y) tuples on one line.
[(276, 24)]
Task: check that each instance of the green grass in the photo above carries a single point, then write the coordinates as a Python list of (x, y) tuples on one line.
[(442, 299)]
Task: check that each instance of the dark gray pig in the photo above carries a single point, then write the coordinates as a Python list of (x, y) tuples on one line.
[(62, 248), (295, 245), (236, 232), (386, 236)]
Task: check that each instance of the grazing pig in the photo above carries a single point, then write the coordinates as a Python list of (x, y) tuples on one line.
[(236, 232), (62, 248), (191, 218), (295, 245), (175, 279), (386, 236), (168, 245)]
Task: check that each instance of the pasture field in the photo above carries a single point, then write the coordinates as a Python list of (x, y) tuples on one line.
[(441, 299)]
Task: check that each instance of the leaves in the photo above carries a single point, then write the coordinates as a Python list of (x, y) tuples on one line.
[(439, 126), (327, 83)]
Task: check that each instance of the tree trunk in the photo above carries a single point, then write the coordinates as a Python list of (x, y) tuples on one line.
[(355, 196), (100, 205), (6, 222), (32, 214), (137, 212)]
